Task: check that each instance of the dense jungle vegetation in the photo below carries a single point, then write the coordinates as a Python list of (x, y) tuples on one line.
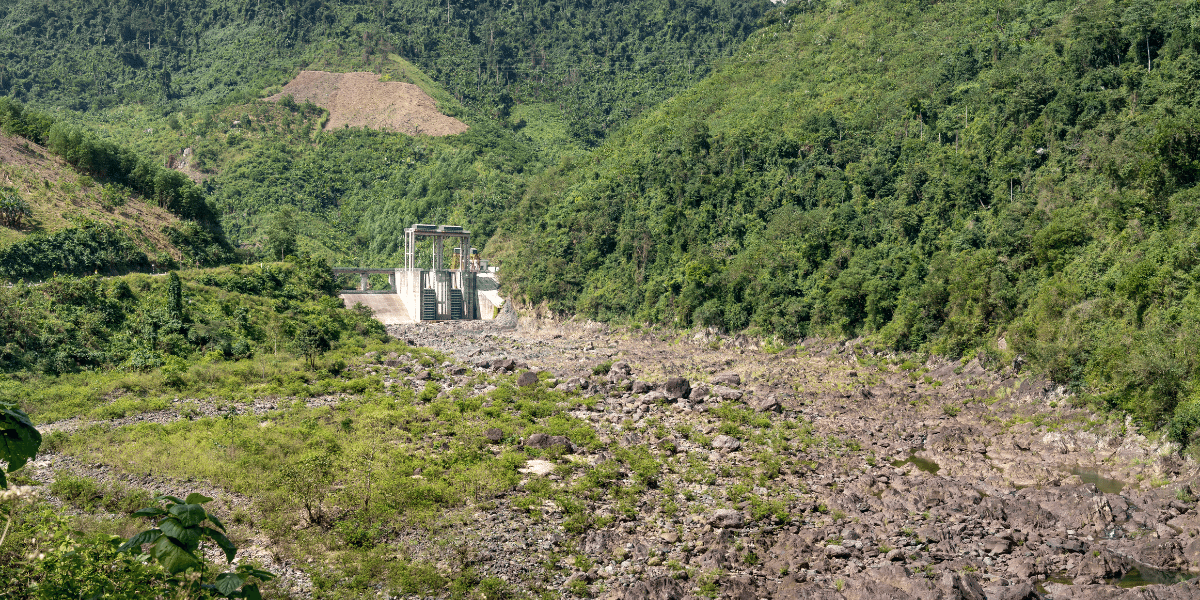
[(161, 78), (599, 63), (938, 176), (997, 178)]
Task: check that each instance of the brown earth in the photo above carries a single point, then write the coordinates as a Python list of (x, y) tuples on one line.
[(362, 100)]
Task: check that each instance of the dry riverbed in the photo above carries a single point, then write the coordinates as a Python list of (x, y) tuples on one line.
[(821, 470), (938, 480)]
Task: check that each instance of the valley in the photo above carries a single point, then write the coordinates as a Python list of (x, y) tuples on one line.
[(822, 469), (812, 299)]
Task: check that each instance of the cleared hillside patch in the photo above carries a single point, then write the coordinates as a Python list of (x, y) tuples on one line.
[(362, 100)]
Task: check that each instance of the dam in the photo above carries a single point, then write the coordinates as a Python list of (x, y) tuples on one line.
[(442, 279)]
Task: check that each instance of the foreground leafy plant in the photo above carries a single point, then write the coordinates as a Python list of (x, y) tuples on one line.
[(19, 440), (174, 544)]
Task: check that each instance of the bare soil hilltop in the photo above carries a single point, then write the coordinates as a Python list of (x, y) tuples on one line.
[(362, 100)]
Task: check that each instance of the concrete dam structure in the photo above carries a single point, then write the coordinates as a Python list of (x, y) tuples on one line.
[(431, 286)]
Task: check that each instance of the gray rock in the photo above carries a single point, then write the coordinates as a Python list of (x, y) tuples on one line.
[(730, 379), (768, 404), (1161, 554), (538, 440), (726, 393), (640, 387), (836, 551), (619, 371), (494, 435), (543, 441), (699, 392), (676, 388), (527, 378), (658, 588), (503, 364), (724, 442), (1020, 591), (727, 518)]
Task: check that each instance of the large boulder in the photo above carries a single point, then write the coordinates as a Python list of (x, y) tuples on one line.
[(527, 379), (543, 441), (619, 371), (676, 388), (726, 443), (726, 393), (727, 518)]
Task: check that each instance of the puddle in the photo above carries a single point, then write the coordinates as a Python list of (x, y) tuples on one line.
[(923, 464), (1104, 484), (1139, 576)]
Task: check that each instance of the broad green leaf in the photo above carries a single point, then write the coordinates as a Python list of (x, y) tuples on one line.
[(171, 498), (222, 541), (172, 557), (188, 537), (3, 480), (216, 521), (250, 592), (135, 543), (195, 498), (150, 511), (228, 583), (261, 574), (189, 515), (19, 439)]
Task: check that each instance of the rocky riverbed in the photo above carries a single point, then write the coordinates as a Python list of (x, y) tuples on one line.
[(818, 470), (931, 480)]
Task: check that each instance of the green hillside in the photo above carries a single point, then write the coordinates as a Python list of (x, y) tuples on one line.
[(535, 82), (598, 62), (953, 177)]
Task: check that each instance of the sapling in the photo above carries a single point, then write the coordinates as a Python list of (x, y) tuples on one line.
[(183, 525)]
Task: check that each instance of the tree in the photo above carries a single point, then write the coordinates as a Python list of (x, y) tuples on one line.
[(311, 343), (13, 209), (175, 295), (281, 233)]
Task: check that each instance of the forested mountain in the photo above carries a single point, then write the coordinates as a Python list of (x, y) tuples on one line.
[(1000, 178), (535, 82), (600, 63), (943, 177)]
